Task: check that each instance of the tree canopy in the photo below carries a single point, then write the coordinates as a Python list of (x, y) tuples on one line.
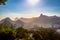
[(12, 33), (3, 2)]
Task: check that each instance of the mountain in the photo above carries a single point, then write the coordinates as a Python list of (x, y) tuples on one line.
[(19, 23), (7, 21), (42, 21)]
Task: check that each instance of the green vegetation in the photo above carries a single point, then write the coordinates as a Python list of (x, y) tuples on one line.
[(2, 2), (12, 33)]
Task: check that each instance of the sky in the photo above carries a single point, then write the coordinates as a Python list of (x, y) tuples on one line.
[(29, 8)]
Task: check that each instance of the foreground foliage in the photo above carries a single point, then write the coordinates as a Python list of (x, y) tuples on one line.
[(12, 33), (2, 2)]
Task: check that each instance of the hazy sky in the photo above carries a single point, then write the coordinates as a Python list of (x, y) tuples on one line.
[(29, 8)]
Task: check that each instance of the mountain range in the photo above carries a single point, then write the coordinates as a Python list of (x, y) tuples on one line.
[(41, 21)]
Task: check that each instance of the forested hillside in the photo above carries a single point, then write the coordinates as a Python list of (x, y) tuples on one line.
[(12, 33)]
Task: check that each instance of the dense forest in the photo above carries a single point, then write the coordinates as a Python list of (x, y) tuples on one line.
[(12, 33)]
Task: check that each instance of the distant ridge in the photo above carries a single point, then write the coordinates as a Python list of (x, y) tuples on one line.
[(42, 20), (7, 21), (19, 23)]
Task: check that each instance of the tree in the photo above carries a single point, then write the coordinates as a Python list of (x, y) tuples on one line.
[(7, 32), (22, 33), (2, 2), (46, 34), (7, 35)]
